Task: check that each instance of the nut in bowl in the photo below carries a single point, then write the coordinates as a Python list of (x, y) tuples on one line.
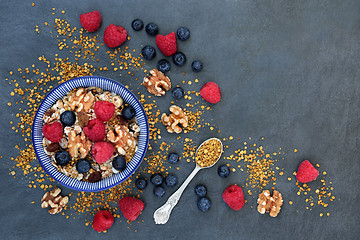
[(90, 133)]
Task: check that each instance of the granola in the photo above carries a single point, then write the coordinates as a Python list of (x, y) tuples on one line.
[(121, 133)]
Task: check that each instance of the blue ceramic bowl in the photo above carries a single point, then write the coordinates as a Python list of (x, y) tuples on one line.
[(105, 84)]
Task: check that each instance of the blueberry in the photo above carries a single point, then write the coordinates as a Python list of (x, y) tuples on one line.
[(137, 24), (163, 65), (128, 112), (179, 59), (152, 29), (171, 180), (119, 163), (67, 118), (173, 157), (141, 183), (178, 93), (83, 165), (223, 171), (156, 179), (159, 191), (148, 52), (183, 33), (200, 190), (204, 204), (196, 66), (62, 157)]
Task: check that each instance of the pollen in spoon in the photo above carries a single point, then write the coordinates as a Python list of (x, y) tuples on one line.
[(208, 153)]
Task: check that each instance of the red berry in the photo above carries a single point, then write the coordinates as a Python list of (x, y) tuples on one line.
[(95, 130), (211, 92), (103, 220), (91, 21), (53, 132), (166, 44), (114, 35), (131, 207), (102, 151), (104, 110), (234, 197), (306, 172)]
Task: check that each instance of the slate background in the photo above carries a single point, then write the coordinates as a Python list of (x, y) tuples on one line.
[(288, 71)]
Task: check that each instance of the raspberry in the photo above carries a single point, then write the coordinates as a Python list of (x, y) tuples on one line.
[(114, 35), (102, 151), (91, 21), (131, 207), (104, 110), (166, 44), (53, 132), (211, 92), (95, 130), (103, 220), (306, 172), (234, 197)]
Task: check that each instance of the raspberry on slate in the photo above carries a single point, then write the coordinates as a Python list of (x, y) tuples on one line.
[(234, 197), (166, 44), (211, 92), (102, 151), (53, 132), (104, 110), (91, 21), (306, 172), (114, 36), (131, 207), (103, 220), (95, 130)]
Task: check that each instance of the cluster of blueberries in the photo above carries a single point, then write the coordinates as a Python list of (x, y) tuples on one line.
[(179, 58), (157, 179), (149, 52), (204, 202)]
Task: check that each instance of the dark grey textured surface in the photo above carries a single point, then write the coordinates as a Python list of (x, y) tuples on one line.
[(288, 70)]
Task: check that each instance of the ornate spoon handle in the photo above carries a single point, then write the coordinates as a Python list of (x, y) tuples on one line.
[(162, 214)]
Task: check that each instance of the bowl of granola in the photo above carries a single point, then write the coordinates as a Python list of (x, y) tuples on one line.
[(90, 133)]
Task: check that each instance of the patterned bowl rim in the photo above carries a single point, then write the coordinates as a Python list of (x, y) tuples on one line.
[(105, 84)]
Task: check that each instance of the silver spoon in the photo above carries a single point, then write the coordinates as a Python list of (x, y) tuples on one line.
[(162, 214)]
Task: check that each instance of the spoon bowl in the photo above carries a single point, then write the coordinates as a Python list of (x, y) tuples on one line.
[(208, 140), (162, 214)]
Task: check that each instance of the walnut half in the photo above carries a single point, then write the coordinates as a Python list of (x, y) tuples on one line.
[(176, 120), (54, 200), (121, 138), (79, 145), (157, 83), (81, 100), (271, 204)]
